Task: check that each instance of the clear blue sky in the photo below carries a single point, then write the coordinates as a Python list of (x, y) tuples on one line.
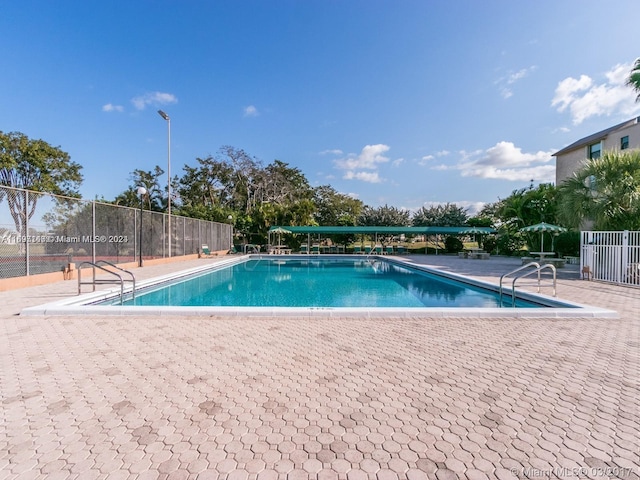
[(400, 102)]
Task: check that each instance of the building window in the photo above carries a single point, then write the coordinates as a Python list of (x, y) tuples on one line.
[(624, 142), (594, 151)]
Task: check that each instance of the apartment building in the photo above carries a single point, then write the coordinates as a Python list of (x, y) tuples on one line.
[(623, 136)]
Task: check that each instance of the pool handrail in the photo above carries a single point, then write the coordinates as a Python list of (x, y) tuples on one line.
[(103, 281), (133, 278), (538, 269), (523, 267)]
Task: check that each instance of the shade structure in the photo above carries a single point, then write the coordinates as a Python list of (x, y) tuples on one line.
[(279, 231), (374, 230), (370, 230), (542, 228), (474, 231)]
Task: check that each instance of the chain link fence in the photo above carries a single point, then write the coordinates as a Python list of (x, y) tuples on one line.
[(42, 233)]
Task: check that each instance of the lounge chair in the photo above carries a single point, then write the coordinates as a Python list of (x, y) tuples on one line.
[(206, 252), (367, 249), (401, 249), (357, 250), (377, 249), (251, 248), (304, 248), (388, 250), (315, 249)]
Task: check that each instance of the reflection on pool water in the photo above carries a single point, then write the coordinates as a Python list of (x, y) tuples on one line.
[(330, 282)]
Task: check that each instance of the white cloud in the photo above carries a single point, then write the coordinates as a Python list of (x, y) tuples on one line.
[(112, 108), (506, 93), (155, 99), (520, 74), (585, 99), (429, 158), (397, 162), (505, 161), (505, 83), (251, 111), (472, 208), (370, 158), (441, 167), (369, 177), (332, 152)]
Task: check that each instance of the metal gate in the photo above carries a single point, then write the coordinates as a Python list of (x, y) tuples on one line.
[(611, 256)]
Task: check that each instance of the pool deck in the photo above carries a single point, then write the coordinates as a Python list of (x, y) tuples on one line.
[(328, 398)]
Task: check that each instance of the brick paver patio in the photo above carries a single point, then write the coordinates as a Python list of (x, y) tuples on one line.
[(334, 398)]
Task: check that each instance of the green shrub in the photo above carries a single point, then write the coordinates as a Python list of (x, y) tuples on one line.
[(568, 244), (453, 244), (489, 244), (508, 244)]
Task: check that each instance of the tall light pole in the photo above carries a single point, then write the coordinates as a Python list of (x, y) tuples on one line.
[(142, 192), (168, 119)]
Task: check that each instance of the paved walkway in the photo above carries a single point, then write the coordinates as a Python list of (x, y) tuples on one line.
[(297, 398)]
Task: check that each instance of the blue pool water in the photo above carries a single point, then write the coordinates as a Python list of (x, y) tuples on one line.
[(321, 282)]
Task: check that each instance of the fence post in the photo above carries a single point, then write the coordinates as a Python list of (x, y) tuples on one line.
[(624, 254), (135, 234), (26, 231), (93, 231)]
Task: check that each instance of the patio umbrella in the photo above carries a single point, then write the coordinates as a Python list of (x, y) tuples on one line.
[(543, 227), (474, 231), (279, 231)]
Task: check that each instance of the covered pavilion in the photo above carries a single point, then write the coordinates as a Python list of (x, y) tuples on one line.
[(375, 230)]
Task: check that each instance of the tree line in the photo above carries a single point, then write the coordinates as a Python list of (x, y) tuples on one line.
[(235, 187)]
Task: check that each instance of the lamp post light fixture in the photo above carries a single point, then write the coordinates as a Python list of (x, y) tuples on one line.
[(168, 119), (142, 192)]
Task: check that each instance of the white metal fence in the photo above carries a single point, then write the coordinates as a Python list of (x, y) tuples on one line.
[(611, 256), (41, 233)]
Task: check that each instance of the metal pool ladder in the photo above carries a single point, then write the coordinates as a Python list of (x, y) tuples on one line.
[(538, 269), (104, 281)]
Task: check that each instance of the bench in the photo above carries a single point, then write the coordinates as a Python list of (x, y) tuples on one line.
[(556, 262), (479, 255), (526, 260), (572, 260)]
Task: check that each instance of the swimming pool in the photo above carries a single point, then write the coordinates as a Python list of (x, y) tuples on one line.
[(333, 285), (321, 282)]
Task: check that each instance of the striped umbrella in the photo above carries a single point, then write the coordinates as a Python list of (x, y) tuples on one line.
[(279, 231), (542, 228), (475, 231)]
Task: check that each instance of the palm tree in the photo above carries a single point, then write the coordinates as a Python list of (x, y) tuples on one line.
[(605, 191), (634, 78)]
